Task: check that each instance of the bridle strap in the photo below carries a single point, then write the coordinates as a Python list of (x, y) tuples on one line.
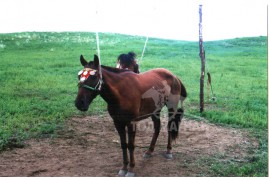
[(88, 87), (96, 88)]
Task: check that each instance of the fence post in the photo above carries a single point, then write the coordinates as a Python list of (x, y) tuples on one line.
[(202, 56)]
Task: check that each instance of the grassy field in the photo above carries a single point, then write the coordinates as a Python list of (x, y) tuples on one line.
[(39, 83)]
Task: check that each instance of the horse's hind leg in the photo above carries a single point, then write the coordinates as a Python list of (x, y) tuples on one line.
[(173, 128), (157, 126)]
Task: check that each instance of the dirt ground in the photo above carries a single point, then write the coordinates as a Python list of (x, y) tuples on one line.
[(89, 146)]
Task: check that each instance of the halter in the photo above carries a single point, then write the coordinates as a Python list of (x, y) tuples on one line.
[(84, 75), (96, 88)]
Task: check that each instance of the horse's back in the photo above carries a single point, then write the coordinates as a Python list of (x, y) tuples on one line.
[(155, 78), (162, 75), (159, 71), (158, 75)]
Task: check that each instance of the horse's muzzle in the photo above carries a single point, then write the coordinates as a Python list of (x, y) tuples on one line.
[(82, 104)]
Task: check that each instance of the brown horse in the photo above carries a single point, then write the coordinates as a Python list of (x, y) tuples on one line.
[(132, 97)]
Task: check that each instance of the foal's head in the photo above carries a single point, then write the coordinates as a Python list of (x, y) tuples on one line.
[(128, 61), (89, 83)]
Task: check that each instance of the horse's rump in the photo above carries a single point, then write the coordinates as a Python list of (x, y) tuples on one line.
[(159, 88)]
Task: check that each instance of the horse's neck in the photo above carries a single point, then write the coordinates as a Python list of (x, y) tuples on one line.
[(109, 92)]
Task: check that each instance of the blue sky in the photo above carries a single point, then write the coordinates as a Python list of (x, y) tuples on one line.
[(169, 19)]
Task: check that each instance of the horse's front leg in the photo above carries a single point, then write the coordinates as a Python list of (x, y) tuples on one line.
[(122, 133), (131, 147)]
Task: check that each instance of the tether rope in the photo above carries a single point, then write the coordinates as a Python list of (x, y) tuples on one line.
[(145, 45), (98, 45), (98, 52)]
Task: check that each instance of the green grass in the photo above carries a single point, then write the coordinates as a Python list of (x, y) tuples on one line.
[(38, 78), (254, 165)]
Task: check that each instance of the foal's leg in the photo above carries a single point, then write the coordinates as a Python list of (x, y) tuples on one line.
[(131, 147), (157, 126), (122, 133)]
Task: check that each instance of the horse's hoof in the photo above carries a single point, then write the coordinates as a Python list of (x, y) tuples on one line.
[(168, 156), (122, 173), (130, 174), (147, 156)]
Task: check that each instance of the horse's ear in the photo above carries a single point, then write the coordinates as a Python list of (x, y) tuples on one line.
[(83, 61), (96, 61)]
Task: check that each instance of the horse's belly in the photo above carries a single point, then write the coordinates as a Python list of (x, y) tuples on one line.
[(148, 108)]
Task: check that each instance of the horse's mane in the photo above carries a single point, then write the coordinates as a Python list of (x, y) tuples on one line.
[(113, 69)]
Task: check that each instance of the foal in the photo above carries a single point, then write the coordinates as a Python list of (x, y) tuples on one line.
[(132, 97), (128, 61)]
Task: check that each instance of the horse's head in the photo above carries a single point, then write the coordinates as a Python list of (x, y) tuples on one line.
[(89, 84), (128, 61)]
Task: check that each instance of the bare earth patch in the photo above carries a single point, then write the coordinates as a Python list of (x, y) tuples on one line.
[(89, 146)]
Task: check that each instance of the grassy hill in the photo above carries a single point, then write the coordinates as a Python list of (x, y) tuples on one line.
[(38, 79)]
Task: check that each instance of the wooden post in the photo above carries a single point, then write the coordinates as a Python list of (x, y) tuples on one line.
[(202, 56)]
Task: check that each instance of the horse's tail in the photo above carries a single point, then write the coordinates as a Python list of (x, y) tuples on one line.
[(183, 91), (174, 122), (176, 117)]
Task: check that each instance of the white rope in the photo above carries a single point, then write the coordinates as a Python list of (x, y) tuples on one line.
[(145, 45), (98, 52)]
